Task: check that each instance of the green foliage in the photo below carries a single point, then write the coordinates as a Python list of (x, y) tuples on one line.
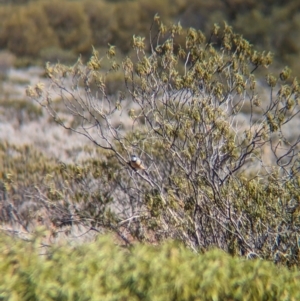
[(102, 270)]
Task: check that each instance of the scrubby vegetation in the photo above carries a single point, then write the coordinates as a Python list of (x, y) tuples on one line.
[(103, 271), (217, 133), (223, 165)]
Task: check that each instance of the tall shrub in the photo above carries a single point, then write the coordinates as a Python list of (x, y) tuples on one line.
[(221, 156)]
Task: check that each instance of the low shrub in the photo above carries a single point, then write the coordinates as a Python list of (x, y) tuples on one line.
[(102, 270)]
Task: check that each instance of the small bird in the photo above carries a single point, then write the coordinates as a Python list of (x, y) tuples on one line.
[(136, 163)]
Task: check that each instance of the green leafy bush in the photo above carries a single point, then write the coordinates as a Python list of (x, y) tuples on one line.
[(103, 271)]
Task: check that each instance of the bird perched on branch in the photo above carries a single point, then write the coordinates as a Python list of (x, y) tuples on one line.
[(136, 163)]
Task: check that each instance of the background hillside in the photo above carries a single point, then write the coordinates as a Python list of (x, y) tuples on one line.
[(36, 31)]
